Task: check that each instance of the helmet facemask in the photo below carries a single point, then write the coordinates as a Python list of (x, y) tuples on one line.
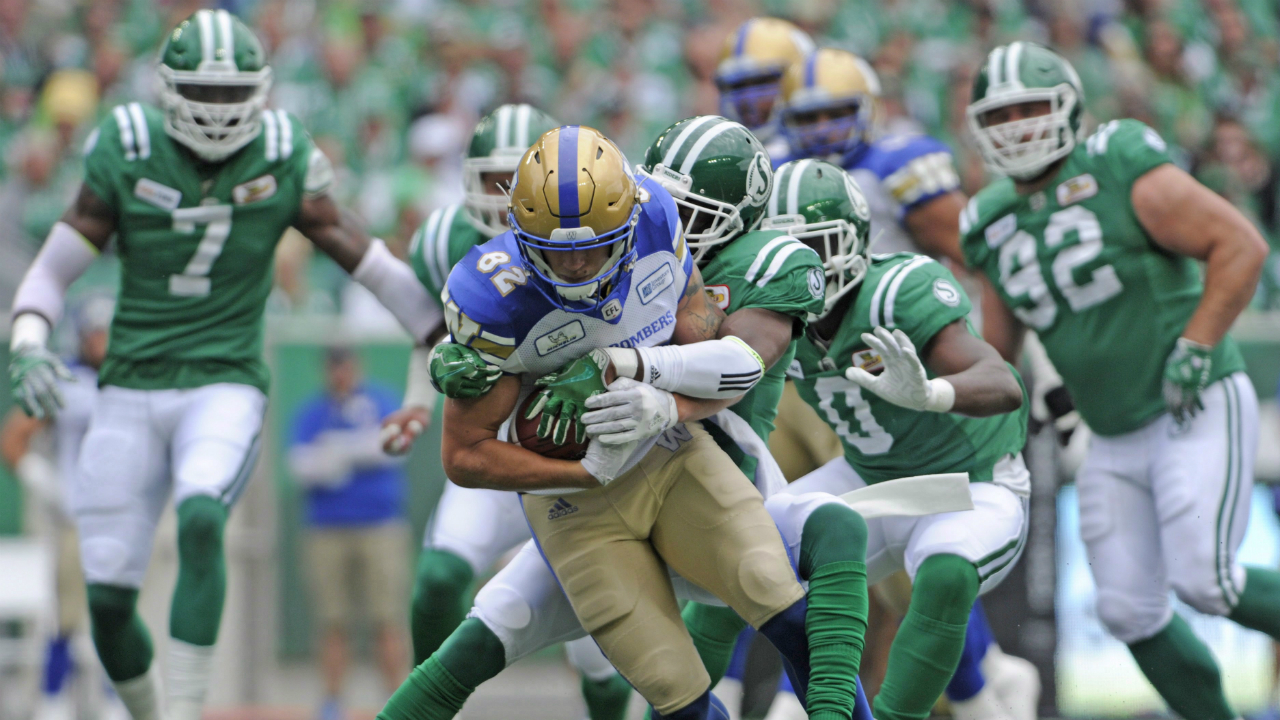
[(1023, 149), (750, 98), (844, 255), (814, 135), (708, 223), (213, 114), (589, 293), (488, 210)]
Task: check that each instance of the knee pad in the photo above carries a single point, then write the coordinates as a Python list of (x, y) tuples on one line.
[(1130, 619), (944, 584), (111, 608), (442, 577), (201, 520), (834, 532)]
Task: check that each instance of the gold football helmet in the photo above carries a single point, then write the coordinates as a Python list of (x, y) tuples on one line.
[(574, 190), (829, 103), (751, 65)]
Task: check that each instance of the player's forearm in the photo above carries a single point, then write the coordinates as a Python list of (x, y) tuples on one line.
[(987, 388), (1000, 328), (693, 409), (65, 256), (496, 465), (713, 369), (1231, 278)]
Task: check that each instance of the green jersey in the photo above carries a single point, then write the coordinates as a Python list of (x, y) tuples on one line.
[(883, 441), (1073, 263), (771, 270), (440, 243), (196, 242)]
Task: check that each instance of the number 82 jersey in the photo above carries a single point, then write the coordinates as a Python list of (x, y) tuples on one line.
[(1073, 263), (196, 242)]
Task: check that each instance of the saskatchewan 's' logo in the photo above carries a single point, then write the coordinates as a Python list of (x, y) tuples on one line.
[(817, 282), (759, 178), (946, 293)]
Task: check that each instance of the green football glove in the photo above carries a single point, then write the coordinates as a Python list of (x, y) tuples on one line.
[(563, 398), (1186, 373), (34, 373), (457, 371)]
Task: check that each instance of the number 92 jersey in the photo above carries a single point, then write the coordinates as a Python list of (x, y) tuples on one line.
[(196, 243), (883, 441), (491, 305), (1073, 263)]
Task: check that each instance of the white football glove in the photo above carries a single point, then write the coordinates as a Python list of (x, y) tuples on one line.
[(605, 462), (630, 411), (903, 381)]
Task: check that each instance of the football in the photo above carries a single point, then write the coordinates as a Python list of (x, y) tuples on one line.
[(527, 436)]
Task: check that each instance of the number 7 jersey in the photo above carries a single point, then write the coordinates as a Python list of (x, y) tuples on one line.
[(196, 242), (1073, 263)]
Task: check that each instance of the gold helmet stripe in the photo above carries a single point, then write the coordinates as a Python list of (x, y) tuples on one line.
[(670, 157)]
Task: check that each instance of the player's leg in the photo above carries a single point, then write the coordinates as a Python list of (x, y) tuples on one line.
[(952, 557), (520, 611), (1121, 532), (469, 530), (120, 488), (604, 691), (214, 448)]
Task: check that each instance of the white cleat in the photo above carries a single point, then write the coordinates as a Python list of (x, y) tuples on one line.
[(786, 706), (1016, 683)]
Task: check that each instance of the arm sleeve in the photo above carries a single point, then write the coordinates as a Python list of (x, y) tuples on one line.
[(65, 256), (396, 287), (921, 299), (722, 368)]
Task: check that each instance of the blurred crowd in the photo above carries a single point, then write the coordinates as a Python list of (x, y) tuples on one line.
[(391, 88)]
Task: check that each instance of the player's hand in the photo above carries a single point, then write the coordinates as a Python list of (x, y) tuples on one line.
[(459, 372), (630, 412), (605, 462), (1053, 405), (903, 380), (34, 373), (1186, 373), (402, 427), (563, 397)]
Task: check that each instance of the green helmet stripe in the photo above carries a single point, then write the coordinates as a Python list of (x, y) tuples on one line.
[(523, 111), (793, 187), (1011, 61), (701, 144), (689, 129)]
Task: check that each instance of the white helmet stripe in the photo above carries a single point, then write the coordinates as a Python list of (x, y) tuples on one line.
[(503, 122), (204, 18), (701, 144), (775, 196), (670, 157), (1011, 62), (522, 126), (793, 187), (993, 66), (228, 44)]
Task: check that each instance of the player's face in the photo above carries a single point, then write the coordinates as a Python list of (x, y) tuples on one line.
[(694, 225), (825, 127), (753, 98), (1016, 112), (575, 266)]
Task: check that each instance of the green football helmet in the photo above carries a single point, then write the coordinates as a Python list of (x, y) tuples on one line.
[(497, 144), (1024, 72), (821, 205), (213, 84), (719, 175)]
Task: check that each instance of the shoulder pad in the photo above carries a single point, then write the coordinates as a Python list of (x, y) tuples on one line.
[(477, 312), (913, 168), (658, 228)]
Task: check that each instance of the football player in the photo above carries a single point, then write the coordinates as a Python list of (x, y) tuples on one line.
[(586, 237), (197, 194), (1094, 244), (952, 406), (471, 527), (749, 73), (828, 110)]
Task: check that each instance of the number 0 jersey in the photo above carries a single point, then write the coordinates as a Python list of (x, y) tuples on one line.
[(1073, 263), (883, 441), (196, 244)]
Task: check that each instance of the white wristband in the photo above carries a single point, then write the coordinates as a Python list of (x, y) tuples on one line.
[(418, 391), (942, 396), (29, 329), (625, 361)]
